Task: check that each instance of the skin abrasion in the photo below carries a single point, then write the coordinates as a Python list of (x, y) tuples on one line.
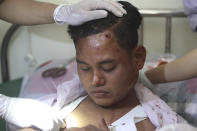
[(108, 35)]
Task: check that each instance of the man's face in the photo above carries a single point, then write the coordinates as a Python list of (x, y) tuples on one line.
[(107, 71)]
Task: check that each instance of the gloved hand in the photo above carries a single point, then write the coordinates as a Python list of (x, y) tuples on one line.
[(85, 10), (29, 113)]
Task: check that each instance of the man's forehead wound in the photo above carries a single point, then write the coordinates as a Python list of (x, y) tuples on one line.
[(108, 35)]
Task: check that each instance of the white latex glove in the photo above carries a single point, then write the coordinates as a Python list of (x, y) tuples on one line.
[(85, 10), (29, 113)]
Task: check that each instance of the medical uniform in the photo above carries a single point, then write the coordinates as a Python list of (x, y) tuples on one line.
[(190, 8)]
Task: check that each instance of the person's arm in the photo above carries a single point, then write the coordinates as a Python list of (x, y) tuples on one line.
[(182, 68), (27, 12), (29, 113)]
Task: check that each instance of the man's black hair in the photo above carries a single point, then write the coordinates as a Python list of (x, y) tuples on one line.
[(125, 28), (1, 1)]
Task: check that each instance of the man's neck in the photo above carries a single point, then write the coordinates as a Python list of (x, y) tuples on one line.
[(122, 107), (130, 101)]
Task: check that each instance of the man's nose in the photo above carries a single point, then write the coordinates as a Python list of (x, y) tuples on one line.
[(98, 79)]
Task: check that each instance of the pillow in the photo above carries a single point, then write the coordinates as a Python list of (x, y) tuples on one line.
[(55, 90)]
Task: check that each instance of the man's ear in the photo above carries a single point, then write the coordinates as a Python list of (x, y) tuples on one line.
[(140, 56)]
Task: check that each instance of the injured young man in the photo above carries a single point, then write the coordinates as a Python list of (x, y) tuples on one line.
[(108, 60), (108, 63)]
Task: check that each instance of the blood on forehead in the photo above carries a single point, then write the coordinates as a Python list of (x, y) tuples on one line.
[(108, 35)]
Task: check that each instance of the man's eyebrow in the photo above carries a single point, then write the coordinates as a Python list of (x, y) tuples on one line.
[(106, 61), (81, 62)]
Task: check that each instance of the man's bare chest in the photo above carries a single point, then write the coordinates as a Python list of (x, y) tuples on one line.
[(87, 113)]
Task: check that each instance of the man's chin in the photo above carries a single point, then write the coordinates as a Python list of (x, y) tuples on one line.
[(103, 103)]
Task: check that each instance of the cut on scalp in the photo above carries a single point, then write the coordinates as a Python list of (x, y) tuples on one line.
[(124, 28)]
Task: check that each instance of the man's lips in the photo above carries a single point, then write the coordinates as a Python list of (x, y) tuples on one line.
[(99, 93)]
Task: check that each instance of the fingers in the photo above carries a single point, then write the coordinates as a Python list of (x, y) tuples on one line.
[(63, 126), (59, 122), (118, 8), (96, 14), (110, 5)]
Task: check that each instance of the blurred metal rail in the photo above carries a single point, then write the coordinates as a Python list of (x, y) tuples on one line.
[(168, 15)]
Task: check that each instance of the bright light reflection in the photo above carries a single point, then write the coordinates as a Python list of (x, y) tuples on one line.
[(71, 121)]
